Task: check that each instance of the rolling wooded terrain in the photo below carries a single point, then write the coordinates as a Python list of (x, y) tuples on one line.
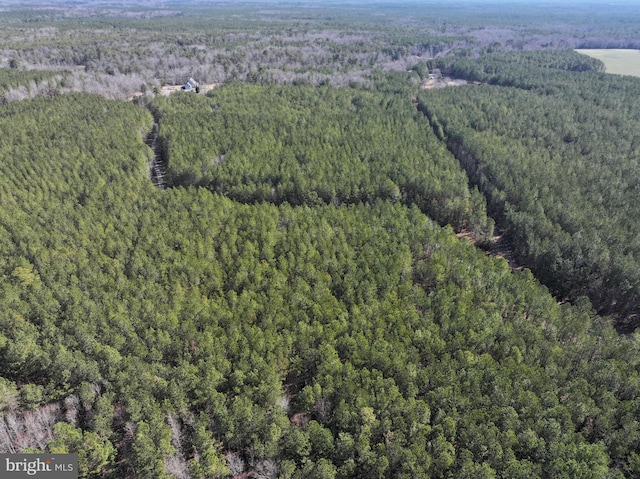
[(295, 302)]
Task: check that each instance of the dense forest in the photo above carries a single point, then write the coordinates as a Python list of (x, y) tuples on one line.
[(297, 302), (557, 154), (310, 145), (180, 333)]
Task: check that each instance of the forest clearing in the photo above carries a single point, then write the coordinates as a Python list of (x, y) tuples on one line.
[(442, 82), (169, 89)]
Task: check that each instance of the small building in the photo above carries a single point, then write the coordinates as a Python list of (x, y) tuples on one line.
[(191, 85)]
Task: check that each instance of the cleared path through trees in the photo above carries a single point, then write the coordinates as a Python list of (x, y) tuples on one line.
[(157, 170)]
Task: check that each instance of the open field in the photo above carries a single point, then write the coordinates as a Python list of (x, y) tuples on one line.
[(623, 62)]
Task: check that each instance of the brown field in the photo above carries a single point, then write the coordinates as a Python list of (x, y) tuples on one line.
[(623, 62)]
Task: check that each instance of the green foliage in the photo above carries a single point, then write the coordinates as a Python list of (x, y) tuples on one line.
[(309, 145), (94, 453), (13, 77), (8, 395), (31, 395), (421, 69), (520, 69), (354, 341), (208, 461), (149, 449), (556, 154)]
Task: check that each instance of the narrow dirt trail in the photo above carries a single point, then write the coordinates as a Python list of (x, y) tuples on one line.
[(157, 167), (500, 247), (157, 171)]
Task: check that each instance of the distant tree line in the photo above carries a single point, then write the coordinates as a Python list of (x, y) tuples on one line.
[(121, 53)]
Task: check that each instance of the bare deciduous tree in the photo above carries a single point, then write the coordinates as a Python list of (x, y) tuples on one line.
[(235, 463), (30, 429), (71, 406), (177, 466), (266, 469), (323, 408)]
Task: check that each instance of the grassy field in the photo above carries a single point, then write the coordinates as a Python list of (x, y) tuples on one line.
[(623, 62)]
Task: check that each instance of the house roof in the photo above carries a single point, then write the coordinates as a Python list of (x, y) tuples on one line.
[(191, 83)]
